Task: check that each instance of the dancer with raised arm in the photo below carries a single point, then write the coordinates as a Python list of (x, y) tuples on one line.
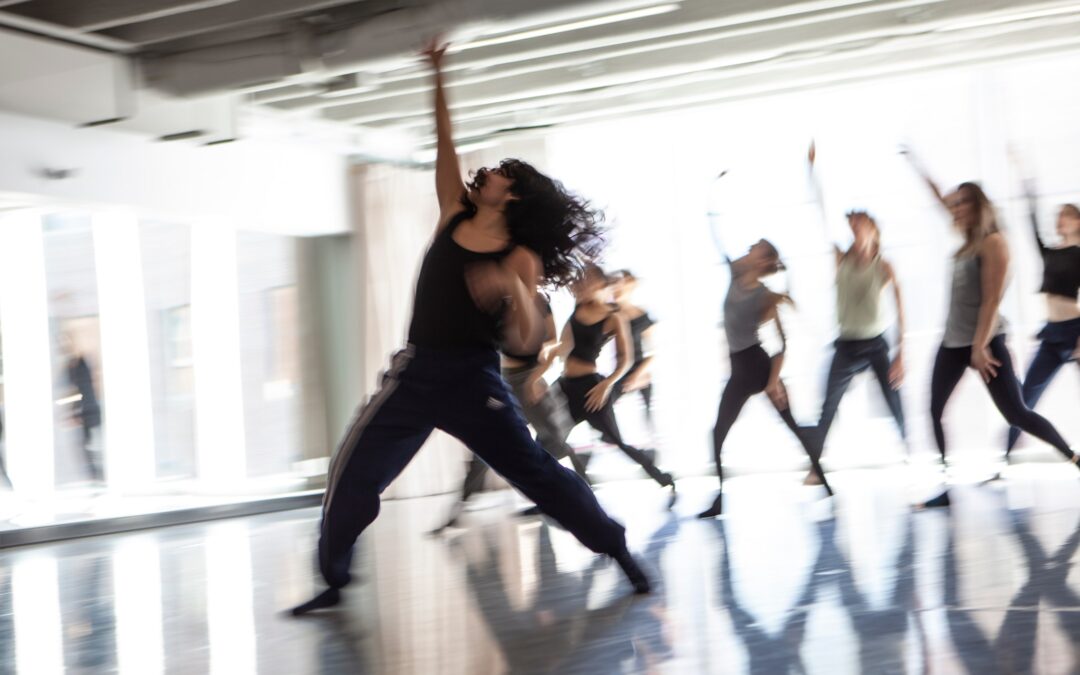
[(749, 305), (477, 288), (974, 329), (639, 377), (1060, 337), (862, 275), (593, 324)]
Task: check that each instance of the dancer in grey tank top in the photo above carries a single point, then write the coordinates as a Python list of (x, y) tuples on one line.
[(974, 329)]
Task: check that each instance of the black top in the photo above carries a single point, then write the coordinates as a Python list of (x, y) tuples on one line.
[(638, 327), (534, 358), (588, 339), (444, 313), (1061, 266), (80, 377)]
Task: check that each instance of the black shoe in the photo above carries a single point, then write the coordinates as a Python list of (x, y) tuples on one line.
[(941, 501), (633, 573), (327, 598), (673, 497), (715, 510)]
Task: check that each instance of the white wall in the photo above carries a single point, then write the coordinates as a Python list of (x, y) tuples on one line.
[(272, 186)]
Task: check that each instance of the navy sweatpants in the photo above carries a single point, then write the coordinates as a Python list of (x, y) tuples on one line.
[(462, 393)]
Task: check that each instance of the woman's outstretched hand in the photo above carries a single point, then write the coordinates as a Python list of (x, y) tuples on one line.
[(434, 51)]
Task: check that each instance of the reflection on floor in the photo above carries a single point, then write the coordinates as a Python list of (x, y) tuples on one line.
[(782, 584)]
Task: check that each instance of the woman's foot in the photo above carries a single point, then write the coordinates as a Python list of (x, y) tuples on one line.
[(633, 572), (715, 510), (327, 598), (941, 501)]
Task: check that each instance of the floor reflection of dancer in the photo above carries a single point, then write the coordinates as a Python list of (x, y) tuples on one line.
[(639, 377), (1060, 337), (974, 330), (544, 408), (476, 289), (748, 305), (862, 275), (593, 323)]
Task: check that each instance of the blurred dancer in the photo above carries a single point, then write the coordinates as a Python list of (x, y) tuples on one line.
[(87, 410), (543, 407), (974, 330), (639, 377), (477, 288), (1060, 337), (748, 305), (589, 394), (862, 276)]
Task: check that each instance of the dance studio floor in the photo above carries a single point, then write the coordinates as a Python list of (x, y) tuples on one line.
[(782, 584)]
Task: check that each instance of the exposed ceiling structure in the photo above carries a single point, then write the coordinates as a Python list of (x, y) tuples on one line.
[(192, 68)]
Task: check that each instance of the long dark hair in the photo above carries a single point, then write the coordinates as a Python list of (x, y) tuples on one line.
[(560, 227)]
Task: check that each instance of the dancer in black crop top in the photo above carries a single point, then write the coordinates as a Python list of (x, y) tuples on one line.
[(1060, 337), (497, 236), (589, 394)]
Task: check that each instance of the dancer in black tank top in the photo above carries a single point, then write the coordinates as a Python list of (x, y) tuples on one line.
[(477, 289), (589, 394)]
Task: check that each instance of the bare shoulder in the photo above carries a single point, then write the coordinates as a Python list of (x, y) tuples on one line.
[(448, 212), (525, 262), (994, 244)]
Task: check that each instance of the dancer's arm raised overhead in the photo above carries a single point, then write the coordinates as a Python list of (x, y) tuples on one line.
[(598, 395), (819, 199), (449, 185), (925, 175)]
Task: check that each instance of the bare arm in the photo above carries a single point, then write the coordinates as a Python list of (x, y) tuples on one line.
[(548, 350), (624, 353), (778, 360), (896, 370), (995, 266), (524, 330), (925, 175), (819, 199), (449, 186)]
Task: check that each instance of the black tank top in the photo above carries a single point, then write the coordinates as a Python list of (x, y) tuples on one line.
[(1061, 266), (588, 339), (444, 314), (534, 358)]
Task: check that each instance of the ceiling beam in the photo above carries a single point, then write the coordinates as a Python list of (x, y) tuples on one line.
[(103, 14)]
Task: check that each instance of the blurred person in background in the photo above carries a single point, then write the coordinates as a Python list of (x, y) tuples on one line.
[(476, 291), (4, 480), (544, 408), (862, 275), (974, 329), (750, 304), (1060, 337), (594, 322), (639, 377), (86, 410)]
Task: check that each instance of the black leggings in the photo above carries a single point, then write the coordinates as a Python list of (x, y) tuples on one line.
[(949, 367), (1056, 349), (603, 420), (750, 370)]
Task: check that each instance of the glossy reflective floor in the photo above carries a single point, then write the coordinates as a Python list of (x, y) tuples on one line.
[(783, 584)]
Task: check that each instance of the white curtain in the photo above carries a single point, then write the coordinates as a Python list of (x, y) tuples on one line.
[(395, 213)]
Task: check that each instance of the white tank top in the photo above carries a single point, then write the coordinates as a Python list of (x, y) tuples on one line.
[(858, 298)]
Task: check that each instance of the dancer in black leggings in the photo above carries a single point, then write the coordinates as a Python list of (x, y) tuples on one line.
[(1060, 337), (544, 409), (593, 323), (639, 377), (862, 276), (477, 289), (748, 305), (974, 330)]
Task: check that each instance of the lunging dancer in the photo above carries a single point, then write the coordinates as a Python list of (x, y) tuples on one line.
[(862, 275), (1060, 337), (544, 408), (748, 305), (974, 330), (589, 394), (495, 238), (639, 377)]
